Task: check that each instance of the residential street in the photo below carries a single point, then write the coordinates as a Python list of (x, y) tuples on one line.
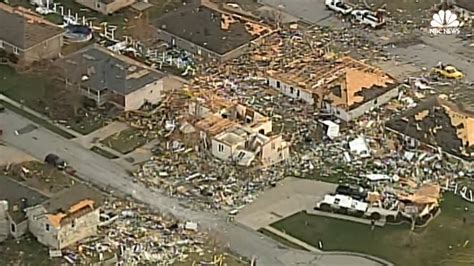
[(102, 172)]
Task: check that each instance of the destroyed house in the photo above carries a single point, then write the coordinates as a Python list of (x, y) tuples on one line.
[(105, 76), (346, 88), (27, 35), (438, 123), (210, 33), (66, 218), (234, 132), (16, 198)]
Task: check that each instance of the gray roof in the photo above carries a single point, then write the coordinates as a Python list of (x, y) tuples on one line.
[(107, 70), (68, 198), (14, 192), (22, 31), (202, 26)]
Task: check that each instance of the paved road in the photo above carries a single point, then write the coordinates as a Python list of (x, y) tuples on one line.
[(100, 171)]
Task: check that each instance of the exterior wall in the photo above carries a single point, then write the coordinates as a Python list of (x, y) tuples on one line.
[(262, 128), (37, 223), (286, 89), (379, 101), (362, 109), (11, 49), (103, 8), (84, 226), (226, 154), (338, 112), (276, 150), (46, 50), (198, 110), (58, 238), (150, 93), (20, 228)]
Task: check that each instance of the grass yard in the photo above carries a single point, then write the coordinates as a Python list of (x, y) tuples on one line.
[(125, 141), (447, 240), (280, 239), (37, 120), (25, 251), (104, 153), (48, 98), (86, 125)]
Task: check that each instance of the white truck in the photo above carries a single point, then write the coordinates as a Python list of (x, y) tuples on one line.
[(368, 17), (339, 6)]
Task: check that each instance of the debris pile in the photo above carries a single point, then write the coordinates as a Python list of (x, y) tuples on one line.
[(129, 234)]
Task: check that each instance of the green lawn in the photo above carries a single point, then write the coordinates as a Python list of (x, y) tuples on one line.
[(39, 121), (280, 239), (86, 125), (125, 141), (43, 96), (103, 153), (442, 242), (25, 251)]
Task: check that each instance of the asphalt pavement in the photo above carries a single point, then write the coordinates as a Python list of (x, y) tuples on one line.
[(102, 172)]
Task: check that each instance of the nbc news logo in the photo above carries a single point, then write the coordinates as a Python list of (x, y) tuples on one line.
[(445, 22)]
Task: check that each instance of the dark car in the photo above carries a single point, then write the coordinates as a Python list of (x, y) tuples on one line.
[(355, 192), (56, 161)]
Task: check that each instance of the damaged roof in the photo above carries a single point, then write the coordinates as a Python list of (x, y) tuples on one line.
[(100, 69), (440, 123), (211, 29), (24, 28), (72, 202), (328, 79), (214, 124)]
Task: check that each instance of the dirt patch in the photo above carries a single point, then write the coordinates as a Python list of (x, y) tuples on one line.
[(10, 155)]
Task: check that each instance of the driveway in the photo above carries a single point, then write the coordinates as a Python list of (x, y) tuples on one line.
[(112, 176), (290, 196)]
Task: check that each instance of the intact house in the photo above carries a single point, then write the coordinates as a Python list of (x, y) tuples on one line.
[(105, 76), (346, 88), (440, 124), (27, 35), (106, 7), (209, 33), (234, 132), (66, 218), (17, 198)]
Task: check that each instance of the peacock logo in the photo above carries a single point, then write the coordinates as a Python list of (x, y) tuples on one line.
[(445, 22)]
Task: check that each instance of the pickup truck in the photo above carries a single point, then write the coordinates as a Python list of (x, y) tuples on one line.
[(338, 6), (367, 17)]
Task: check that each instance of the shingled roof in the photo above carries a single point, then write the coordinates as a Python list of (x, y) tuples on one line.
[(23, 28)]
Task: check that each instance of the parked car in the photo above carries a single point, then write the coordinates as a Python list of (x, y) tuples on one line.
[(447, 71), (56, 161)]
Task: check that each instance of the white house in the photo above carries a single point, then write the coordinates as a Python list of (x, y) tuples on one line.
[(346, 88)]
